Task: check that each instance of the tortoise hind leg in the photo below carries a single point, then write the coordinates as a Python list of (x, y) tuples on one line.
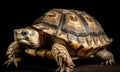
[(106, 57), (63, 58)]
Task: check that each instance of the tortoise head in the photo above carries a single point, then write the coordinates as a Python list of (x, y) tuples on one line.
[(27, 36)]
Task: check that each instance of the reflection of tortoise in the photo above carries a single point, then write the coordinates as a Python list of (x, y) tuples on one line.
[(63, 35)]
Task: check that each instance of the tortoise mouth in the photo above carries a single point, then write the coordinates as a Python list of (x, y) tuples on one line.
[(25, 41), (19, 40), (22, 40)]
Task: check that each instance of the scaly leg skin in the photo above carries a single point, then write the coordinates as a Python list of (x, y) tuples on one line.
[(63, 58), (106, 57), (13, 54)]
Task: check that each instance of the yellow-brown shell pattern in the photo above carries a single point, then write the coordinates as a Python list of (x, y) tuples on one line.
[(78, 28)]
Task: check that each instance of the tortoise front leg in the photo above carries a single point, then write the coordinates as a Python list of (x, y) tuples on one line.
[(13, 54), (62, 57)]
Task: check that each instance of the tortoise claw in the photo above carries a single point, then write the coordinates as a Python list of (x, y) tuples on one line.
[(12, 60), (108, 62), (111, 61), (16, 64), (64, 69), (8, 62)]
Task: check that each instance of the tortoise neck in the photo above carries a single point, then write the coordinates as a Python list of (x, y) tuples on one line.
[(41, 36), (44, 38)]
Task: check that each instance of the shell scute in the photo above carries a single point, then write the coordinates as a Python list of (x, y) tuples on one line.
[(76, 27)]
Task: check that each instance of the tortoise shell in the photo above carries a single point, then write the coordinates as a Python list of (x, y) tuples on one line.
[(77, 28)]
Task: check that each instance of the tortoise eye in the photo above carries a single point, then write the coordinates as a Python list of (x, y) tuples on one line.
[(24, 33)]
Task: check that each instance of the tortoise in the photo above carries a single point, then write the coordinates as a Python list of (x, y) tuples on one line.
[(63, 35)]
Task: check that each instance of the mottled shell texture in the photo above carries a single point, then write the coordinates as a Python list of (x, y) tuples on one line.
[(78, 28)]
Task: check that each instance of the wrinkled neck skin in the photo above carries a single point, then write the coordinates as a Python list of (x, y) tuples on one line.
[(39, 42)]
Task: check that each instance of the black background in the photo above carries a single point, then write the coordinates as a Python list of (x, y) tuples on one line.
[(16, 14)]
